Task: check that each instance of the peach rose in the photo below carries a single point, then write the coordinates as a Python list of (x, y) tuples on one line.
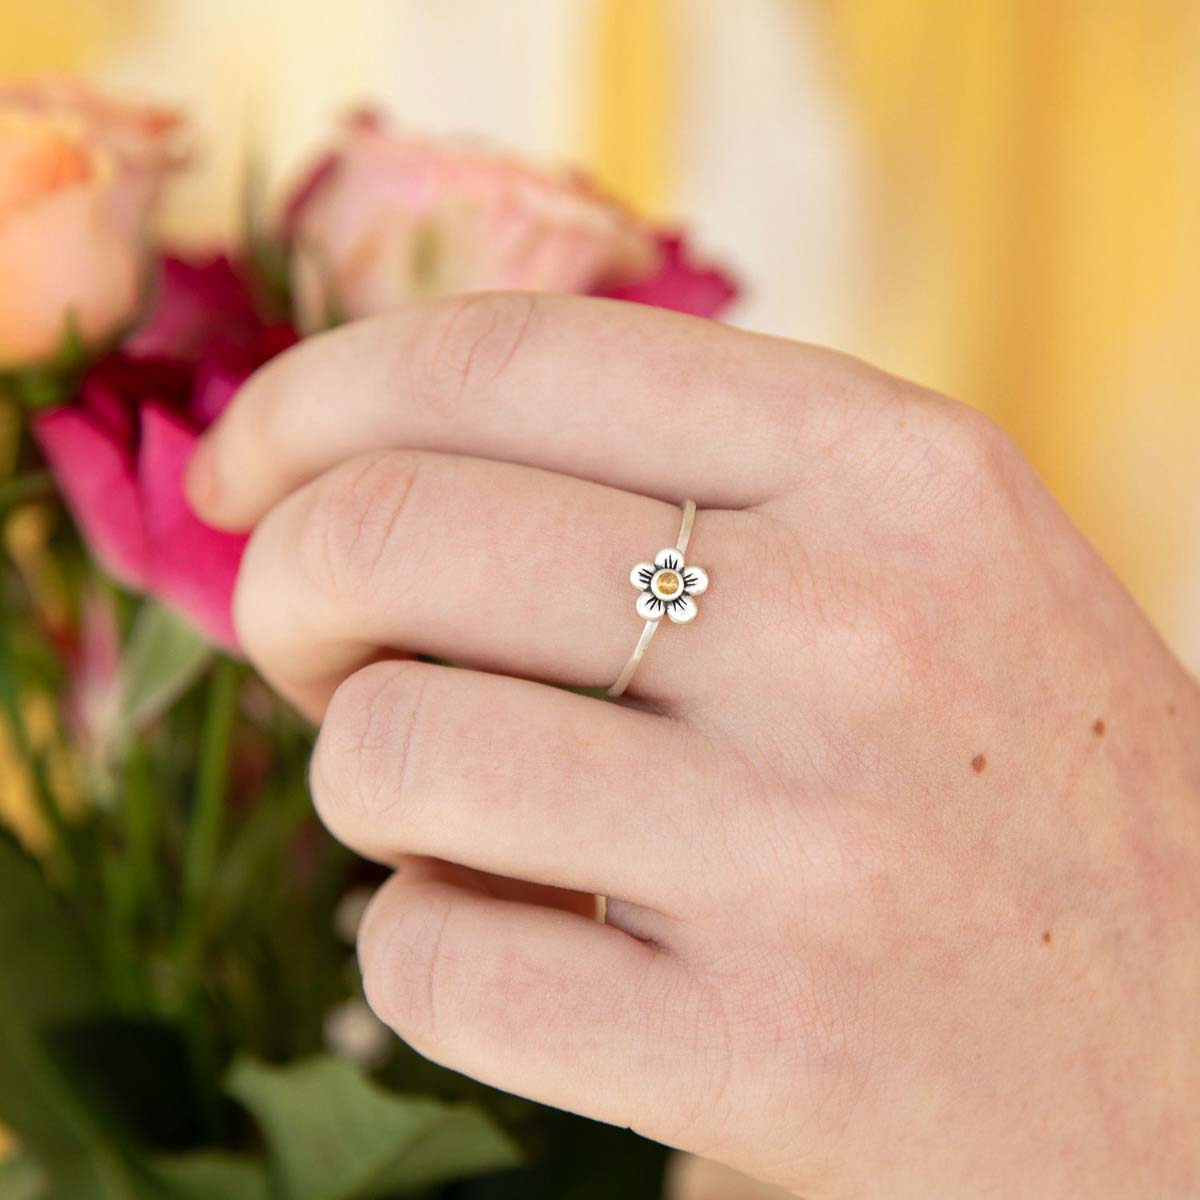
[(384, 219), (78, 178)]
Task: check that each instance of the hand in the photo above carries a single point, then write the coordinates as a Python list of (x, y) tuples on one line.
[(901, 837)]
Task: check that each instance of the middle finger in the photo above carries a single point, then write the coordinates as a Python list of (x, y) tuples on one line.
[(523, 782)]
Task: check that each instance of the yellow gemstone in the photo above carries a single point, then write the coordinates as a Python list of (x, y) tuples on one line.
[(668, 583)]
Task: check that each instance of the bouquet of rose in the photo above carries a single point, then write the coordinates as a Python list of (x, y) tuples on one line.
[(180, 1012)]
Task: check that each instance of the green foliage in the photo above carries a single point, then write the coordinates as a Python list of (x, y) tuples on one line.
[(21, 1179), (163, 658), (265, 247), (211, 1175), (135, 1072), (49, 981), (22, 489), (181, 919), (333, 1134), (36, 389), (47, 384)]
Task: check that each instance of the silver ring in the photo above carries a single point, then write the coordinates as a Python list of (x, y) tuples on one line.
[(668, 588)]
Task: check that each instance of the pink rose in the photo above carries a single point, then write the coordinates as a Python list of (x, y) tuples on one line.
[(78, 179), (120, 452), (384, 219), (678, 283)]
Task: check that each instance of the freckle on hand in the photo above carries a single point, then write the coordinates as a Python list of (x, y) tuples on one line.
[(1046, 937), (1170, 710), (1099, 728), (978, 763)]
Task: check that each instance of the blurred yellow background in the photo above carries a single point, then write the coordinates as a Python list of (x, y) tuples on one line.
[(1000, 198)]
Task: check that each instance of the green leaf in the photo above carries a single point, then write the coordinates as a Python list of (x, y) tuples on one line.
[(73, 353), (207, 1175), (334, 1134), (47, 982), (164, 656)]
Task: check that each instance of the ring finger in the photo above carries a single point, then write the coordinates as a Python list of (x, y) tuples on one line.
[(491, 565)]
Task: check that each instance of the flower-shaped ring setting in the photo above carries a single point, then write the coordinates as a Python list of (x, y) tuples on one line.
[(668, 587)]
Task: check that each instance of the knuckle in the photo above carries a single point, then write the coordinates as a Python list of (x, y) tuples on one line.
[(352, 520), (947, 473), (974, 455), (466, 344), (985, 493), (362, 764), (403, 966), (980, 441)]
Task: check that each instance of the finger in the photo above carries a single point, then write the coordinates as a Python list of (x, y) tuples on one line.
[(537, 1001), (582, 904), (516, 779), (638, 398), (487, 564)]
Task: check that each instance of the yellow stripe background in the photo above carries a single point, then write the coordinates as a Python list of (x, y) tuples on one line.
[(633, 112), (1037, 174), (1036, 234)]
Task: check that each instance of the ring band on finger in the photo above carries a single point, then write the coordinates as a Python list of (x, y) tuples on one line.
[(668, 588)]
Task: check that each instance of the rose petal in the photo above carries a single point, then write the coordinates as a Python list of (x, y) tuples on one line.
[(217, 381), (225, 367), (679, 285), (388, 219), (64, 264), (192, 565), (196, 303), (95, 680), (95, 472), (116, 386)]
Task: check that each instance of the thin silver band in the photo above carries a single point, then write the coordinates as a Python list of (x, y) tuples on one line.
[(651, 627)]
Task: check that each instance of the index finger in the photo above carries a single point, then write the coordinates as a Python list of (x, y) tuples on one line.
[(634, 397)]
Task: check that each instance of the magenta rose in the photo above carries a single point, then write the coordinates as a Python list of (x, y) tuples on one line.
[(384, 219), (120, 450)]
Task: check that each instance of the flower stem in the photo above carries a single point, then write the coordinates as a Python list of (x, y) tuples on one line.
[(132, 881), (200, 856), (142, 819), (208, 813)]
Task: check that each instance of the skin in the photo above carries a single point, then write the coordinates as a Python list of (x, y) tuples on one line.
[(901, 837)]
